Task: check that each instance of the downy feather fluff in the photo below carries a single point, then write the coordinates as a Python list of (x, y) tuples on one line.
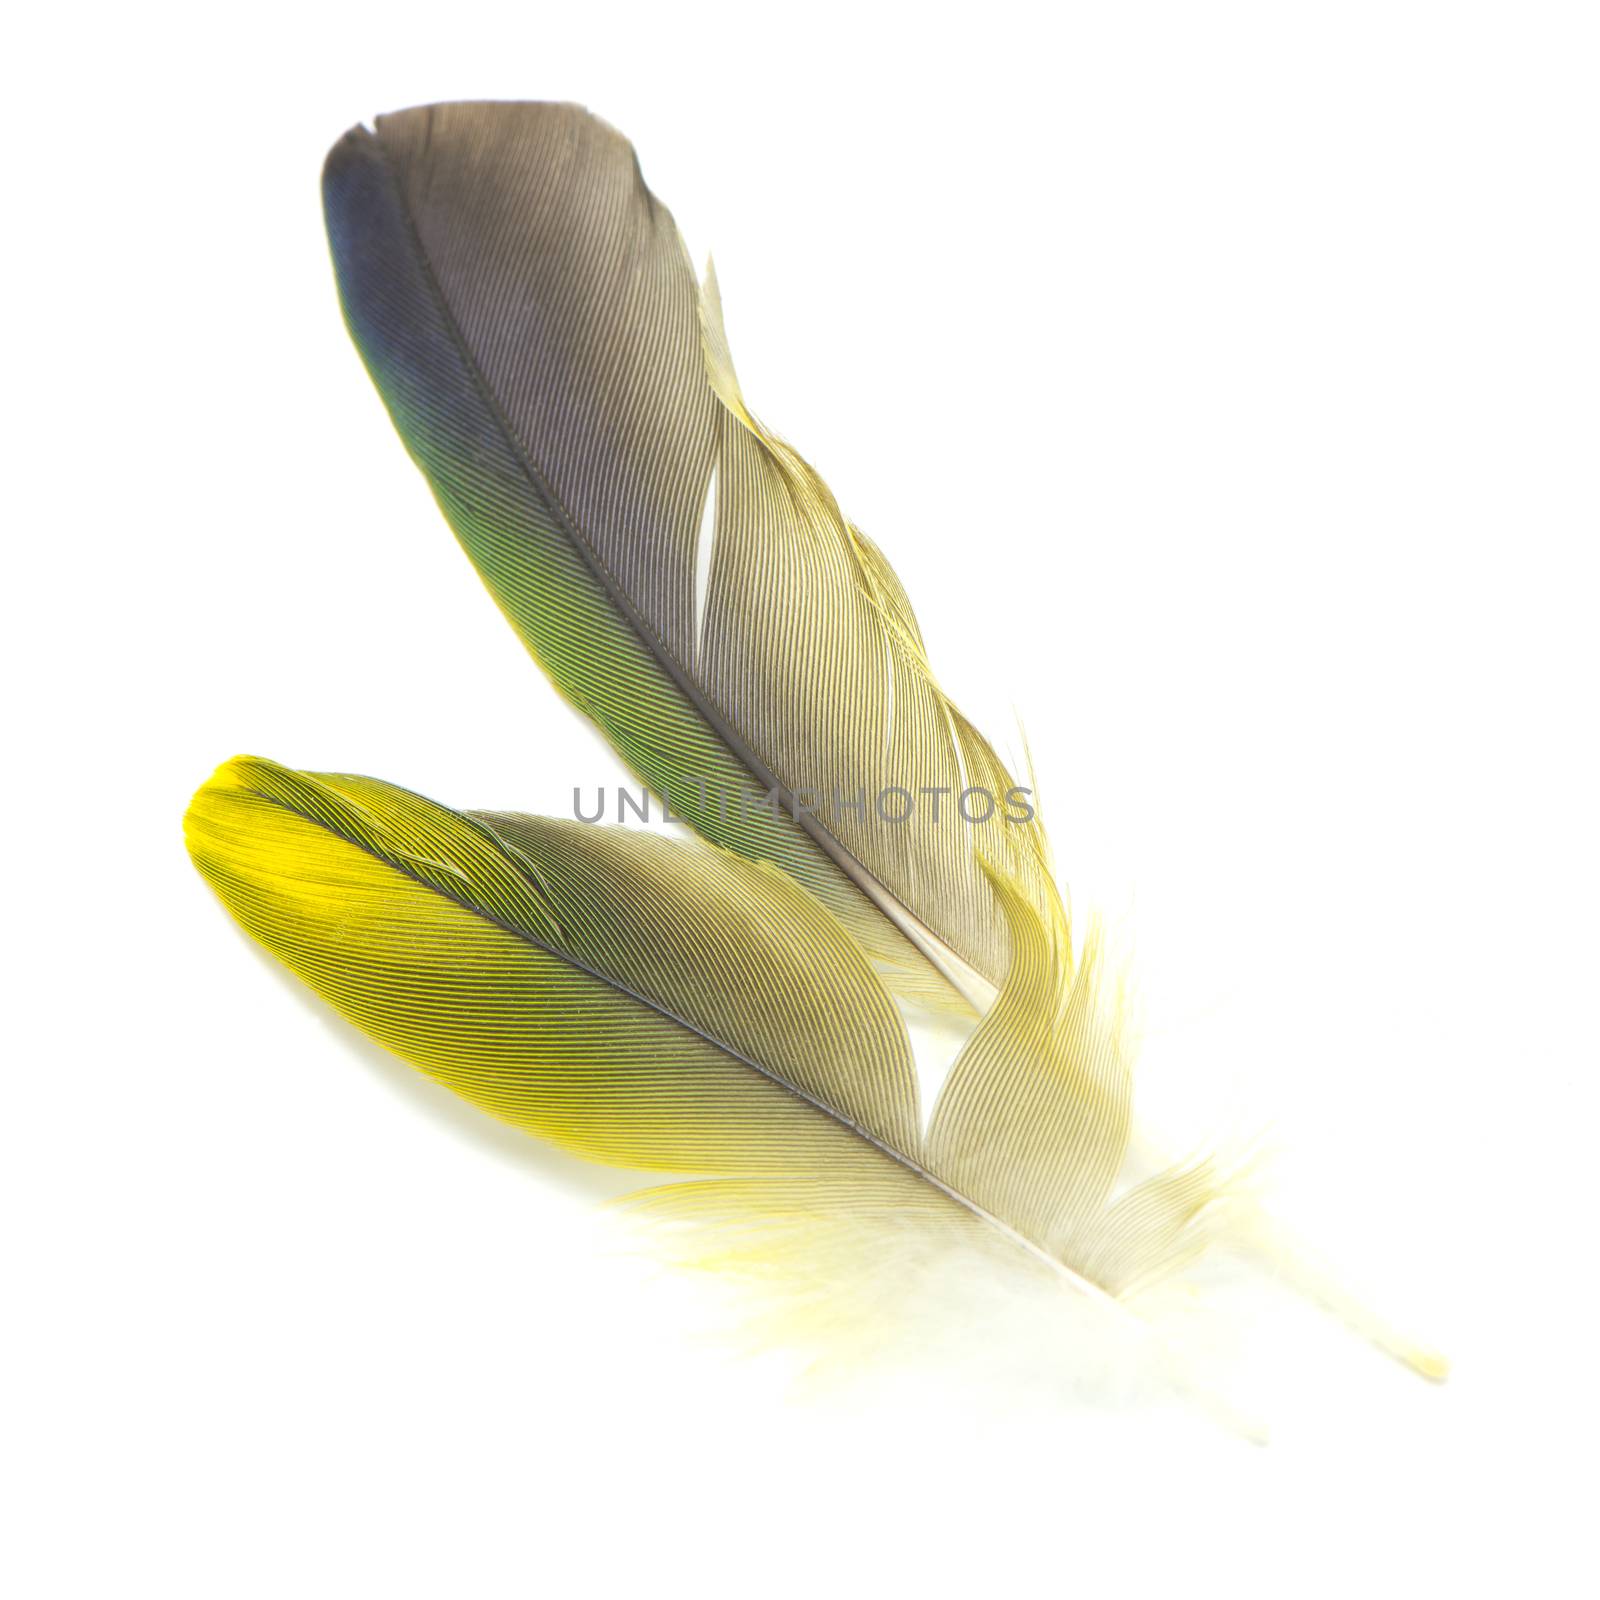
[(668, 1006)]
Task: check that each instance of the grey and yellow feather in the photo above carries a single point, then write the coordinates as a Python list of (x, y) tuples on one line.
[(530, 316), (670, 1006), (532, 321)]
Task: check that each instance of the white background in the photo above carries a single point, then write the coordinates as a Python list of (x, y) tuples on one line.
[(1222, 382)]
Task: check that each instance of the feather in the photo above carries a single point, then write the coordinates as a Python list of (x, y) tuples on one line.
[(664, 1005), (531, 319)]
